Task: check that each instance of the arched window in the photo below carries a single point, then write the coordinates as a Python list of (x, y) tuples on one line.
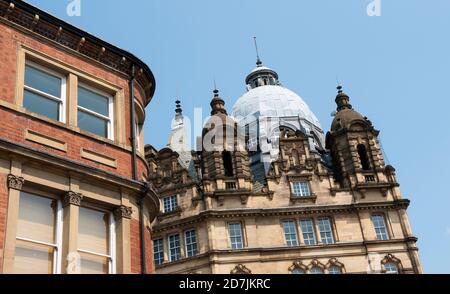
[(227, 163), (391, 268), (334, 270), (316, 270), (364, 159), (298, 271)]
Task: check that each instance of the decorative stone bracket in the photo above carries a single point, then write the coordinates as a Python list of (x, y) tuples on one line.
[(123, 212), (72, 198), (15, 182)]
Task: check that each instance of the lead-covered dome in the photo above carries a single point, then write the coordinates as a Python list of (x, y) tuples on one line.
[(273, 101)]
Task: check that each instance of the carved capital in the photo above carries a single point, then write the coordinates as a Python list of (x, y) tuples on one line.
[(15, 182), (72, 198), (123, 212)]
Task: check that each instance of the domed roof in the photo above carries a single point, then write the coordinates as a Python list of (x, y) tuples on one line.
[(273, 101), (344, 118)]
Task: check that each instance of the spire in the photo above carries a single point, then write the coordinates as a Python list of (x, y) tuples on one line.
[(258, 60), (217, 104), (342, 100)]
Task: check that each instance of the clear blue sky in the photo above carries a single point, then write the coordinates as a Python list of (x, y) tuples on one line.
[(395, 67)]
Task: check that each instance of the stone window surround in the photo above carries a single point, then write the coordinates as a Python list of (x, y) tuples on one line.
[(72, 75), (243, 232), (316, 229), (71, 201), (307, 179), (297, 229), (387, 222), (390, 258), (316, 263)]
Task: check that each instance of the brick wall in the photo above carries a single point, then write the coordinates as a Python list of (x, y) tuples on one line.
[(13, 124), (3, 208), (136, 249)]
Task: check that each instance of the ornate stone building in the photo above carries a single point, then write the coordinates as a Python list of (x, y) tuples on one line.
[(73, 195), (292, 200)]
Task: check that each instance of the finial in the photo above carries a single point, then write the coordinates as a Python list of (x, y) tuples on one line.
[(339, 88), (178, 110), (216, 92), (258, 60)]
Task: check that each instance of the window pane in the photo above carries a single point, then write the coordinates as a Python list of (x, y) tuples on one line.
[(174, 247), (301, 189), (170, 203), (36, 218), (308, 232), (158, 251), (93, 231), (380, 227), (42, 81), (33, 259), (92, 124), (290, 233), (391, 268), (93, 101), (39, 104), (235, 232), (191, 243), (334, 270), (326, 234), (298, 271), (93, 264), (316, 270)]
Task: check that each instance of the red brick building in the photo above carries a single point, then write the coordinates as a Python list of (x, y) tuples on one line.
[(72, 192)]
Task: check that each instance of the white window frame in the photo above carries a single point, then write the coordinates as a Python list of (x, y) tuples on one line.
[(57, 253), (390, 271), (171, 259), (112, 244), (334, 270), (294, 226), (324, 232), (300, 191), (375, 227), (171, 207), (241, 236), (137, 131), (110, 119), (61, 100), (313, 232), (186, 244), (158, 252)]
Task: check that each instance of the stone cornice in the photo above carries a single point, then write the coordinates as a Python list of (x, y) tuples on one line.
[(283, 211), (9, 147), (15, 182), (265, 251)]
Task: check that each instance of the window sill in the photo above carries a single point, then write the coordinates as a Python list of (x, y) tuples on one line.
[(164, 215), (304, 199)]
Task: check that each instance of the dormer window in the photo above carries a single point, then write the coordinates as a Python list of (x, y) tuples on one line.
[(301, 189)]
